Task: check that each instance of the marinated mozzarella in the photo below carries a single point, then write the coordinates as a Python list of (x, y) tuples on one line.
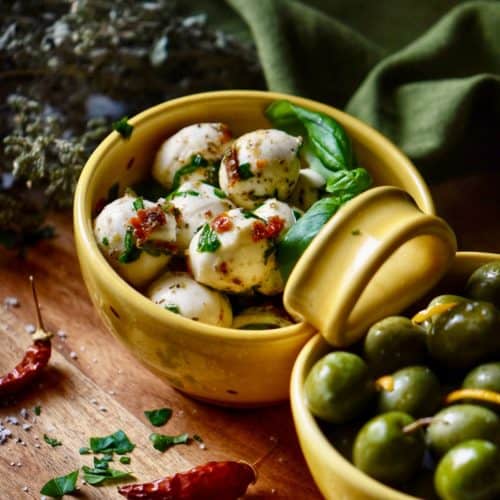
[(195, 149), (194, 204), (260, 165), (177, 292), (232, 252), (308, 190), (118, 241), (272, 209)]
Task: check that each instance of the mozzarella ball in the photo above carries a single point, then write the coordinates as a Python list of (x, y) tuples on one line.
[(177, 292), (260, 165), (308, 190), (195, 203), (116, 238), (272, 209), (232, 252), (274, 283), (261, 318), (202, 144)]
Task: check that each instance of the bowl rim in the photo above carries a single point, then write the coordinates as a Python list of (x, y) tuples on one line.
[(305, 423), (119, 287)]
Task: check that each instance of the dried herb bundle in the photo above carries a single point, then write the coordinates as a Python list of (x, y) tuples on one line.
[(70, 67)]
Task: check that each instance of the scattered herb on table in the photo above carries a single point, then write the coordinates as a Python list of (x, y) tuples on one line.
[(125, 460), (159, 417), (84, 450), (97, 476), (163, 442), (60, 486), (52, 441), (37, 410), (117, 442)]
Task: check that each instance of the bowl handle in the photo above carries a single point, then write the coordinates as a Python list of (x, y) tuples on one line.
[(374, 258)]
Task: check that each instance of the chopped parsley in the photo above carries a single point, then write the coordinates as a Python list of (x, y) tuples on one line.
[(189, 192), (245, 171), (38, 410), (52, 441), (250, 215), (105, 241), (173, 308), (138, 203), (124, 460), (162, 442), (60, 486), (117, 442), (158, 417), (123, 127), (131, 252), (96, 476), (199, 161), (208, 242)]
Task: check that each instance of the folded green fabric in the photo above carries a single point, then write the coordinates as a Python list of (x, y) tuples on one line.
[(423, 73)]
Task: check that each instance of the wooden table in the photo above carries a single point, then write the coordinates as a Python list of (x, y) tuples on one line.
[(95, 387)]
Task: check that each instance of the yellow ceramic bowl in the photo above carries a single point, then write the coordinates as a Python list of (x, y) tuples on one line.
[(335, 476), (225, 366)]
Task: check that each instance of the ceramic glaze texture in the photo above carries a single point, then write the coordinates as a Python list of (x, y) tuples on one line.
[(221, 365)]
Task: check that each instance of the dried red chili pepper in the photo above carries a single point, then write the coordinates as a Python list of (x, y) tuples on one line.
[(34, 360), (227, 480)]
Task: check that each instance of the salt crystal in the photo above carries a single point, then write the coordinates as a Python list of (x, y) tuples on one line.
[(30, 328), (24, 413), (19, 464), (94, 401), (37, 445), (13, 464), (26, 427), (11, 301), (112, 393), (25, 488), (61, 334), (73, 355), (12, 420), (103, 408)]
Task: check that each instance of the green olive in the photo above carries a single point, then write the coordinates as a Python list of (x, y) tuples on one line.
[(486, 376), (384, 451), (393, 343), (465, 334), (338, 388), (469, 471), (442, 299), (415, 391), (459, 423), (484, 283)]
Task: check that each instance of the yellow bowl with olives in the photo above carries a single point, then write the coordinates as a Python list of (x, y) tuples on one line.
[(151, 278)]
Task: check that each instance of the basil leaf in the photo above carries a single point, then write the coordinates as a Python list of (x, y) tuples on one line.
[(244, 171), (197, 161), (123, 127), (162, 415), (131, 252), (124, 460), (348, 182), (219, 193), (102, 463), (300, 234), (163, 442), (59, 486), (138, 203), (117, 442), (95, 476), (326, 137), (84, 450), (52, 441), (208, 242)]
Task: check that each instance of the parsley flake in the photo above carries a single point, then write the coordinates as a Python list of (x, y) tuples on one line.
[(199, 161), (158, 417), (208, 242), (38, 410), (105, 241), (59, 486), (245, 171), (162, 442), (123, 127), (219, 193), (52, 441), (117, 442), (173, 308), (125, 460), (130, 252)]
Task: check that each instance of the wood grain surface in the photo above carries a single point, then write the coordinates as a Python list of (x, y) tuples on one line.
[(95, 387)]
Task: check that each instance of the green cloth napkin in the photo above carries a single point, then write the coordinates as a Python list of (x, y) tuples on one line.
[(425, 73)]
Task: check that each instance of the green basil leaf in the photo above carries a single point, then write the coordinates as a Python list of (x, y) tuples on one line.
[(117, 442), (84, 450), (300, 234), (163, 442), (95, 476), (123, 127), (52, 441), (102, 463), (208, 242), (130, 252), (162, 415), (348, 182), (59, 486), (138, 203), (124, 460), (326, 137)]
